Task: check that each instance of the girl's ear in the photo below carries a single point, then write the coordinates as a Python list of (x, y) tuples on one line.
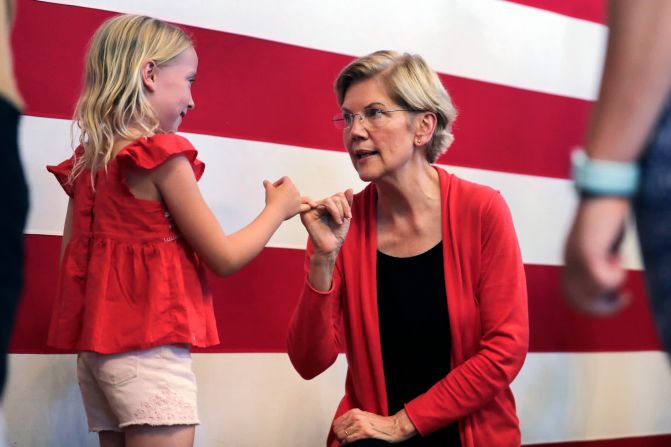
[(149, 71)]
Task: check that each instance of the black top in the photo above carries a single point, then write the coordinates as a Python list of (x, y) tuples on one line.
[(414, 332), (14, 209)]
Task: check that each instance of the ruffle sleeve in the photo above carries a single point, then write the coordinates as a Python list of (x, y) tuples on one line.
[(63, 170), (151, 152)]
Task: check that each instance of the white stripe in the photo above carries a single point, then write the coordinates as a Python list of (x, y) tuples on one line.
[(258, 399), (243, 400), (3, 429), (542, 207), (578, 397), (490, 40)]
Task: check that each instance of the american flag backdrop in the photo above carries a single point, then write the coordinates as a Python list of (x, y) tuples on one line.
[(522, 75)]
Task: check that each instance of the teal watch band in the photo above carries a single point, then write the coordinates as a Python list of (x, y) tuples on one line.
[(604, 177)]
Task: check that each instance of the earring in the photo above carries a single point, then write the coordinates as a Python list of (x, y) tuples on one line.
[(418, 141)]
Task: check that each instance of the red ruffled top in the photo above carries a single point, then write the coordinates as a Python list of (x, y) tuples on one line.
[(128, 280)]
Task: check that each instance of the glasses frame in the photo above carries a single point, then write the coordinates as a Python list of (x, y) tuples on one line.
[(340, 123)]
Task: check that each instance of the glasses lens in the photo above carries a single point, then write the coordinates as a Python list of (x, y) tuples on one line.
[(339, 122), (376, 117)]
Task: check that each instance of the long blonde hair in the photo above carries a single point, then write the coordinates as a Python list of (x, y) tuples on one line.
[(113, 103)]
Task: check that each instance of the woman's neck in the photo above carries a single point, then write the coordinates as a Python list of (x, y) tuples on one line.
[(408, 194)]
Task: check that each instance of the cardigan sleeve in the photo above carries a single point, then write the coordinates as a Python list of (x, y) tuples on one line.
[(313, 340), (501, 293)]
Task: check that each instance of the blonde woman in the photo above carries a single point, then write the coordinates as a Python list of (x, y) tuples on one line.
[(422, 268), (131, 296)]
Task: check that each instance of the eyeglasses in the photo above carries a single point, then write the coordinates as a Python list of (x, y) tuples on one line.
[(375, 118)]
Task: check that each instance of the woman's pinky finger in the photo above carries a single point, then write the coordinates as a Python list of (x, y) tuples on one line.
[(333, 209)]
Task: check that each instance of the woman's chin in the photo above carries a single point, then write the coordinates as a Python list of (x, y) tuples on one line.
[(366, 176), (365, 173)]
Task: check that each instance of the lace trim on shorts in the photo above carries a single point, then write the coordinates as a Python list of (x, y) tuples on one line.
[(165, 407)]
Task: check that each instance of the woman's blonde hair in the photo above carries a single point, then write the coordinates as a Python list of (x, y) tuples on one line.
[(113, 103), (412, 84)]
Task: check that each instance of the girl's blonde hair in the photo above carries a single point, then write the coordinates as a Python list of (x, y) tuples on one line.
[(113, 103), (412, 84)]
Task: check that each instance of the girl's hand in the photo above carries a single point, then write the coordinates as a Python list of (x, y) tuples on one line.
[(285, 198), (357, 424), (327, 223)]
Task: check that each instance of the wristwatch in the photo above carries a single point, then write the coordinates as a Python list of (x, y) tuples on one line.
[(594, 177)]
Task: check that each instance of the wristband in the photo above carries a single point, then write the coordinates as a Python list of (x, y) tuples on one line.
[(604, 177)]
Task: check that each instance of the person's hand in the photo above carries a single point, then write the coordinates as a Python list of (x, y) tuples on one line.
[(327, 223), (285, 198), (593, 273), (357, 424)]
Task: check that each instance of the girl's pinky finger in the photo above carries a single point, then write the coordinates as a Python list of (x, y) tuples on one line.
[(309, 201)]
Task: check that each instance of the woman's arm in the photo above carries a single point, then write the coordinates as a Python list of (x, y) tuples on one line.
[(224, 254), (313, 339)]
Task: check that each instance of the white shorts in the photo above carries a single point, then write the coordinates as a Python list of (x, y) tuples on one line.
[(149, 387)]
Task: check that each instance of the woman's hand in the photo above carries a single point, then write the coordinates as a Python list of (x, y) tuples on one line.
[(594, 274), (327, 223), (285, 198), (357, 424)]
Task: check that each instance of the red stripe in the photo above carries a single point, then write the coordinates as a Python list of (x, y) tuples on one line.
[(592, 10), (557, 328), (266, 91), (642, 441), (253, 307)]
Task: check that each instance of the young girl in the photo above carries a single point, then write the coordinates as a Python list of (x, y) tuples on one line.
[(132, 296)]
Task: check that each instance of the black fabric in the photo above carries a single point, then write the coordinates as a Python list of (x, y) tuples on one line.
[(15, 208), (414, 333), (653, 221)]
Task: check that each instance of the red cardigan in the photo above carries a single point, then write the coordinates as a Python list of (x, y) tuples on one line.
[(487, 301)]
